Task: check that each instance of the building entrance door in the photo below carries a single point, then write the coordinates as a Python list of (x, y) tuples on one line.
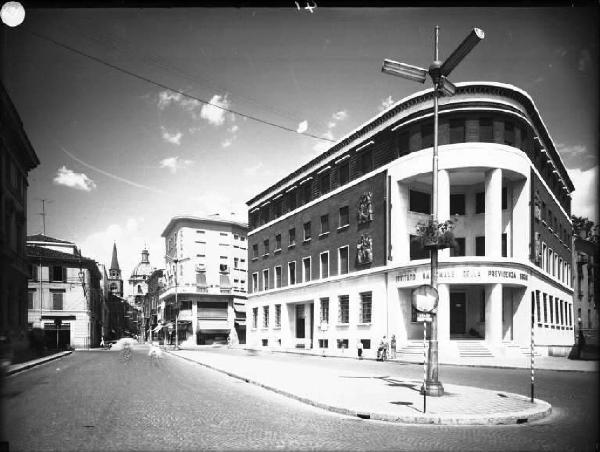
[(458, 311), (300, 322)]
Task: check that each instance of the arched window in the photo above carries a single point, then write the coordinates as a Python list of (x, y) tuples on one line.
[(139, 289)]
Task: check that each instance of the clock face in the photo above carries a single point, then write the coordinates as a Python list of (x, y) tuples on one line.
[(425, 298)]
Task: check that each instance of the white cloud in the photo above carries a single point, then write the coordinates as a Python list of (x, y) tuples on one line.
[(302, 127), (577, 156), (130, 238), (215, 113), (173, 138), (331, 125), (166, 97), (234, 128), (174, 164), (69, 178), (321, 146), (253, 170), (227, 142), (340, 115), (584, 200), (386, 103)]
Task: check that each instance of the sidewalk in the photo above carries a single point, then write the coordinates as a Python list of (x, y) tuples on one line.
[(15, 368), (370, 394)]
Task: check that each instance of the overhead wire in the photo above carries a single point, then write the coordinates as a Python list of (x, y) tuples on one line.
[(164, 86)]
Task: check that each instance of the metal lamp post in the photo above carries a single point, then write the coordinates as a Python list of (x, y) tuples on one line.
[(438, 72)]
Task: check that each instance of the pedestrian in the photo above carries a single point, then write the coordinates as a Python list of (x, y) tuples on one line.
[(580, 344), (393, 347), (382, 349), (102, 342), (359, 347)]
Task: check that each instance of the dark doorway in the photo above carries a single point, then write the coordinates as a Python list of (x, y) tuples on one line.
[(57, 335), (300, 323), (458, 311)]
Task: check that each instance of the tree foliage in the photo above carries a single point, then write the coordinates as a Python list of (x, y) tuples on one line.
[(586, 229)]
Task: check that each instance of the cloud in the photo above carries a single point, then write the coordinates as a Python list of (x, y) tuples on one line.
[(173, 138), (174, 164), (585, 59), (340, 115), (234, 128), (577, 156), (215, 113), (131, 238), (227, 142), (253, 170), (302, 127), (386, 103), (584, 199), (69, 178)]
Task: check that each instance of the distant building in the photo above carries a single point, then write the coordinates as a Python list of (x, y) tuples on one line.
[(206, 271), (115, 324), (115, 280), (64, 293), (138, 281), (156, 284), (17, 158), (586, 281), (335, 253)]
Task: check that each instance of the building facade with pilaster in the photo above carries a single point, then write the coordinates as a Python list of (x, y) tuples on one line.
[(205, 280), (335, 254)]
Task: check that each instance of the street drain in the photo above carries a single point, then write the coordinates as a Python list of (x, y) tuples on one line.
[(364, 415)]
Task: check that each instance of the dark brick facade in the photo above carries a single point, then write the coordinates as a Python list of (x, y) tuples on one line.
[(337, 237)]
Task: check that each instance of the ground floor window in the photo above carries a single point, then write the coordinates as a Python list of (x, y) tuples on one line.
[(324, 310), (265, 342), (323, 343), (366, 343), (277, 315), (342, 343), (365, 307), (343, 309), (254, 317)]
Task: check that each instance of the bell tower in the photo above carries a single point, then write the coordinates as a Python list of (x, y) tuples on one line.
[(115, 282)]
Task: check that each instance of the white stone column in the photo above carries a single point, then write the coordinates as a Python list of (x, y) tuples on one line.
[(443, 212), (399, 225), (493, 314), (520, 220), (443, 313), (287, 313), (493, 213), (195, 319)]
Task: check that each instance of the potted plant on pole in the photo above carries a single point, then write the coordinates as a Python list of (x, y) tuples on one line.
[(432, 234)]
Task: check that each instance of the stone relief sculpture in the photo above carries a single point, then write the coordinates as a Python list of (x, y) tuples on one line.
[(365, 208), (365, 249)]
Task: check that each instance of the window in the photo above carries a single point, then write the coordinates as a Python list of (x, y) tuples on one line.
[(551, 308), (323, 343), (57, 301), (545, 308), (278, 208), (343, 309), (419, 202), (277, 277), (482, 307), (343, 260), (344, 172), (365, 307), (306, 192), (307, 231), (366, 162), (30, 299), (324, 183), (504, 246), (292, 235), (266, 244), (457, 204), (291, 273), (342, 343), (416, 250), (265, 279), (562, 312), (306, 269), (459, 250), (344, 217), (480, 246), (325, 264), (236, 263), (486, 130), (278, 242), (33, 272), (255, 250), (291, 200), (480, 202), (277, 316), (254, 317), (537, 306), (427, 135), (324, 224), (457, 131), (255, 282), (509, 133), (366, 343), (58, 273), (504, 198), (324, 310), (265, 323)]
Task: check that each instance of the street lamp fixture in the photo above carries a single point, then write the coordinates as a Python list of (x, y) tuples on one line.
[(438, 71)]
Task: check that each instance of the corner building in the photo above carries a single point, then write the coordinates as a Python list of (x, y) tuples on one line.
[(332, 255)]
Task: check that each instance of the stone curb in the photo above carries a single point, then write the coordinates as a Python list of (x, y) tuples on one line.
[(16, 368), (541, 409)]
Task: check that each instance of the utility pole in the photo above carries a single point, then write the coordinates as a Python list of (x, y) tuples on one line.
[(438, 72)]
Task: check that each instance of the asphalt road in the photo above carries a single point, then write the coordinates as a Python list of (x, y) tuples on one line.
[(101, 401)]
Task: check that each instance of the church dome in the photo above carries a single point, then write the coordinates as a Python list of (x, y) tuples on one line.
[(143, 269)]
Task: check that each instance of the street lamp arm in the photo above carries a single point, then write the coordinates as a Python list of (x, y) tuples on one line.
[(462, 51), (404, 70)]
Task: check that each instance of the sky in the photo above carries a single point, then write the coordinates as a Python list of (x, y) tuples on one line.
[(122, 151)]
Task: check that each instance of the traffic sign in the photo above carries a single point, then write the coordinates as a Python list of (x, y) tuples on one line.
[(425, 298), (424, 317)]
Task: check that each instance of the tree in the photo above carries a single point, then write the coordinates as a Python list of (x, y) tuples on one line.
[(585, 228)]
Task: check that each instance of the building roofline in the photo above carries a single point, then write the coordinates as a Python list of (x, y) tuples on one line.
[(180, 218), (402, 104)]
